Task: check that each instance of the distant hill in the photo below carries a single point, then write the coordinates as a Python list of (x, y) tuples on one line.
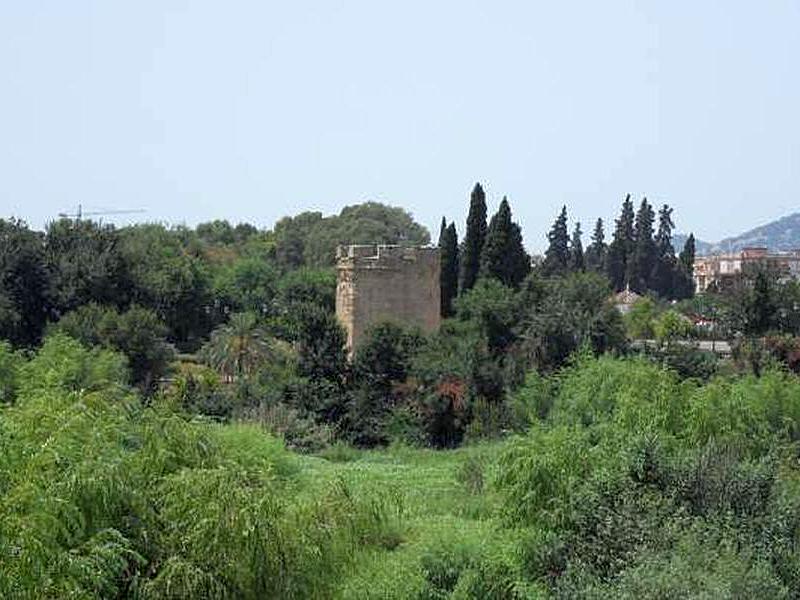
[(781, 235), (702, 248)]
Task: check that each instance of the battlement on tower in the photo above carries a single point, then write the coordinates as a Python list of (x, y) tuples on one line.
[(387, 283)]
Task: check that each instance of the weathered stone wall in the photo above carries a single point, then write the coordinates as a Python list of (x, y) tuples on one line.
[(387, 283)]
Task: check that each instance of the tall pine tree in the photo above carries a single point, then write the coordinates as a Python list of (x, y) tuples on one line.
[(664, 233), (595, 255), (687, 254), (643, 260), (662, 280), (474, 239), (504, 256), (620, 250), (448, 256), (556, 257), (684, 271), (576, 258)]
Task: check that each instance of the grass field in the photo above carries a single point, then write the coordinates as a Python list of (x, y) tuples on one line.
[(445, 500)]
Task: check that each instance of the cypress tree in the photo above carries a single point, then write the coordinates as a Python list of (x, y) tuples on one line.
[(442, 230), (577, 262), (761, 306), (684, 270), (643, 260), (556, 257), (595, 256), (664, 234), (621, 247), (504, 256), (473, 238), (687, 254), (662, 280), (448, 256)]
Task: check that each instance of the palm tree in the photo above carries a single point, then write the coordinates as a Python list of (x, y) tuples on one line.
[(238, 348)]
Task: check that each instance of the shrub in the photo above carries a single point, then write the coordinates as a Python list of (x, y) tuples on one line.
[(786, 349), (637, 477), (631, 392), (539, 475), (494, 310), (300, 432), (640, 318), (381, 367), (671, 326), (103, 497), (406, 425), (62, 364), (532, 402), (138, 333), (749, 413), (199, 390), (689, 362), (453, 371), (470, 474), (567, 314)]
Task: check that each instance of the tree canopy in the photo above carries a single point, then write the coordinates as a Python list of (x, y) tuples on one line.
[(310, 240)]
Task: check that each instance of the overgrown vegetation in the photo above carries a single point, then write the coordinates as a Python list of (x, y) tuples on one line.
[(629, 482), (179, 418), (637, 484), (103, 497)]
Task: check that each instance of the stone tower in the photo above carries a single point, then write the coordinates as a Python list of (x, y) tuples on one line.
[(387, 283)]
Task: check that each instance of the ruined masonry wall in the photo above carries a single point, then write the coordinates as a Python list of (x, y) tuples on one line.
[(387, 283)]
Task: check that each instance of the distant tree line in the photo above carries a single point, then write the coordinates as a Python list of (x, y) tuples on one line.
[(638, 257), (108, 286), (241, 322)]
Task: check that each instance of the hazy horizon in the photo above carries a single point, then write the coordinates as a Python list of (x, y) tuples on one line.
[(253, 111)]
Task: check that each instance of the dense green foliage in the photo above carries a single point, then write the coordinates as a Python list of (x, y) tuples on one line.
[(192, 280), (137, 333), (639, 258), (102, 498), (629, 482), (637, 485), (179, 417), (24, 284), (309, 239), (262, 328), (565, 315)]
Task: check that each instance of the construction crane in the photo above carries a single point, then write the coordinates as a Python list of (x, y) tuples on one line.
[(79, 214)]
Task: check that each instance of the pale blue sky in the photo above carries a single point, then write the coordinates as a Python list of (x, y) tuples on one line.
[(253, 110)]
